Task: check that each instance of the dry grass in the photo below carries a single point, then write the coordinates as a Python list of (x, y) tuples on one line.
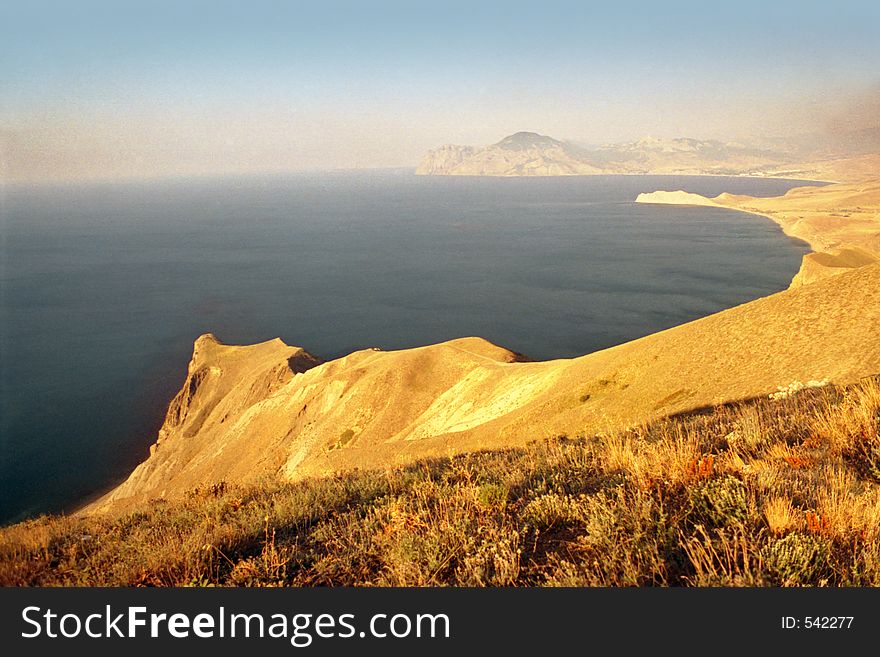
[(781, 516), (780, 493)]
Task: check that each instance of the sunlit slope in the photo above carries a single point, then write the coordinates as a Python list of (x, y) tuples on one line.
[(247, 412)]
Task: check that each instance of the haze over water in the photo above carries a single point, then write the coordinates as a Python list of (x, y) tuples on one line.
[(105, 287)]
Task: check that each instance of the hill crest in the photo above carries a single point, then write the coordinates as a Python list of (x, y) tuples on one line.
[(254, 416)]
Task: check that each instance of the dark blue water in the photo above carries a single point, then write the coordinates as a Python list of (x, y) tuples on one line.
[(105, 287)]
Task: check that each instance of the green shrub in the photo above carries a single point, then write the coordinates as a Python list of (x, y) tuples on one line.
[(492, 495), (720, 501), (796, 559), (552, 509)]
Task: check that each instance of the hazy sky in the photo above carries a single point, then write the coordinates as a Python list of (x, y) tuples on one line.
[(105, 89)]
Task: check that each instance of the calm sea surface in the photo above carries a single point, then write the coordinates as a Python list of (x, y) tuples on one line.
[(103, 288)]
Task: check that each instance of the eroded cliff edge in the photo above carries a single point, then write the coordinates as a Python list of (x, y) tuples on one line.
[(266, 410)]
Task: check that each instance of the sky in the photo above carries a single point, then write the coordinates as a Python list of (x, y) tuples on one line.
[(141, 89)]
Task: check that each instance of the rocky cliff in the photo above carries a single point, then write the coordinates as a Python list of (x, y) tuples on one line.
[(248, 412)]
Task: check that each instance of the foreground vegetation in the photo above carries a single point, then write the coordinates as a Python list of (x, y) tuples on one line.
[(773, 492)]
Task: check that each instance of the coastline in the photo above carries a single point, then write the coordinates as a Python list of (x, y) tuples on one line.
[(468, 394), (481, 398), (769, 176), (840, 222), (170, 365), (382, 409)]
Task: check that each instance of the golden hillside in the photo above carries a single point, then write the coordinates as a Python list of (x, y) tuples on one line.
[(248, 412), (770, 492)]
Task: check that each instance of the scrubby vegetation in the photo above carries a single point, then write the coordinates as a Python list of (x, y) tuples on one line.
[(770, 492)]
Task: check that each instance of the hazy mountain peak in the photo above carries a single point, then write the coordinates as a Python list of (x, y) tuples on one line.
[(525, 140), (532, 154)]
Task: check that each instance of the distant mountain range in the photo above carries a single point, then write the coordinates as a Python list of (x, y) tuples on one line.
[(531, 154)]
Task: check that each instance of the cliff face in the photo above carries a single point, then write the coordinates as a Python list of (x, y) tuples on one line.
[(270, 409), (224, 386), (531, 154), (444, 159)]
